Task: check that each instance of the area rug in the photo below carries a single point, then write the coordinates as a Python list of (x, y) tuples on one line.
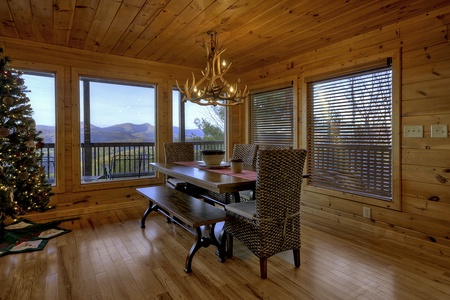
[(24, 236)]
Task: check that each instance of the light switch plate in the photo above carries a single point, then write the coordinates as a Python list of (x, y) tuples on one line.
[(413, 131), (367, 212), (439, 131)]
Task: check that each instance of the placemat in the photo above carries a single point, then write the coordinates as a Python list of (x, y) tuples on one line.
[(246, 174)]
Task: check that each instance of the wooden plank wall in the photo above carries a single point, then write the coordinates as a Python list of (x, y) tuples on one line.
[(425, 162), (71, 197), (424, 217)]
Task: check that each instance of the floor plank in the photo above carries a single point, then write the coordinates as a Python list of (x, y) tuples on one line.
[(108, 256)]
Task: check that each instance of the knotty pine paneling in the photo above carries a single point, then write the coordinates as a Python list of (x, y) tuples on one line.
[(425, 56), (426, 106), (426, 174), (423, 219), (426, 89), (72, 198), (431, 71)]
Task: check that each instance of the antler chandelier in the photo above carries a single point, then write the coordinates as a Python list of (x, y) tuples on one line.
[(213, 89)]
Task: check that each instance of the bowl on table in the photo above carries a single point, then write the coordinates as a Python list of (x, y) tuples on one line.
[(213, 158)]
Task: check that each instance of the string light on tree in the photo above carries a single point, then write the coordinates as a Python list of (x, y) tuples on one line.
[(23, 186)]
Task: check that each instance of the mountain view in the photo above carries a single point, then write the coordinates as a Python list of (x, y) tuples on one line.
[(126, 132)]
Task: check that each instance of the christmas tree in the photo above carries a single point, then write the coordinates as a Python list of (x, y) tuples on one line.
[(23, 185)]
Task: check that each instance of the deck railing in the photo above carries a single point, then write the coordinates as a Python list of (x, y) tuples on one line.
[(116, 160)]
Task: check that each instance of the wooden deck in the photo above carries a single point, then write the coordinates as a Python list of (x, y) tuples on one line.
[(108, 256)]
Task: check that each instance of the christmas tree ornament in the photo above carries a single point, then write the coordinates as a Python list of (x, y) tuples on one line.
[(23, 175), (8, 100), (4, 132)]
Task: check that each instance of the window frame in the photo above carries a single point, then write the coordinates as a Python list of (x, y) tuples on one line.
[(77, 74), (58, 72), (352, 68), (283, 83), (182, 110)]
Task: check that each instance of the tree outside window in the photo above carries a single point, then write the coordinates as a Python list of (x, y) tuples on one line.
[(350, 133), (202, 125)]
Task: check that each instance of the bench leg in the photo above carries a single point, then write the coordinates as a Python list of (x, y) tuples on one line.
[(197, 245), (151, 207), (201, 241)]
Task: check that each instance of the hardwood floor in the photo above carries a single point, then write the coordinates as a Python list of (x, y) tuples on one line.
[(108, 256)]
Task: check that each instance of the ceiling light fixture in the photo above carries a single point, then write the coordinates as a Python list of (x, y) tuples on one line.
[(213, 89)]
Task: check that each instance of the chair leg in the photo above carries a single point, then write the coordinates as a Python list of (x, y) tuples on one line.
[(296, 257), (263, 267)]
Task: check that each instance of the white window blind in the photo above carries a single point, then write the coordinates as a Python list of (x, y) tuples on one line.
[(350, 133), (271, 117)]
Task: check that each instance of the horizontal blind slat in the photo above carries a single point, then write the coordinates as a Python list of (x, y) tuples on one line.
[(271, 117), (350, 133)]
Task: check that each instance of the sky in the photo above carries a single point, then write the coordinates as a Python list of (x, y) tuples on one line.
[(110, 103)]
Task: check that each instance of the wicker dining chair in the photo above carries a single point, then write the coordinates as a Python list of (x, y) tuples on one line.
[(274, 147), (271, 223), (246, 152), (177, 152)]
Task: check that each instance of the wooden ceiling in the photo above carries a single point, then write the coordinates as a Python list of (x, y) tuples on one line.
[(254, 32)]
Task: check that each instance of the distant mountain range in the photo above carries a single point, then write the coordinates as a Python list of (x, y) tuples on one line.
[(126, 132)]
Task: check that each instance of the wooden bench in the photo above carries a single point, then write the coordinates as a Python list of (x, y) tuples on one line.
[(191, 214)]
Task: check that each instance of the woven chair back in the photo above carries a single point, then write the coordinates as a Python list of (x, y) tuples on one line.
[(246, 152), (279, 182), (178, 152), (274, 147)]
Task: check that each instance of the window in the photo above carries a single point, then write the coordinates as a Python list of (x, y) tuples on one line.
[(41, 92), (202, 125), (271, 117), (117, 129), (349, 121)]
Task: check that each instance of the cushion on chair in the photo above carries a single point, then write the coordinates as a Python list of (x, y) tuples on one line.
[(244, 209)]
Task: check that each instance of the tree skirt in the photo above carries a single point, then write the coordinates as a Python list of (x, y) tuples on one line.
[(24, 236)]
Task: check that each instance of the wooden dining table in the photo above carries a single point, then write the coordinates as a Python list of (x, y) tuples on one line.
[(216, 179)]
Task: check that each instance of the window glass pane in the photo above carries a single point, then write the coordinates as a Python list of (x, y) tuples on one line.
[(202, 125), (117, 129), (271, 117), (350, 133), (176, 116), (41, 92)]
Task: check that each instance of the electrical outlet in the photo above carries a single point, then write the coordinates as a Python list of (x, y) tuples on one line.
[(367, 213), (439, 131), (413, 131)]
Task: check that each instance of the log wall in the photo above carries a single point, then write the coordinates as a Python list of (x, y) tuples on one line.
[(73, 198), (423, 218)]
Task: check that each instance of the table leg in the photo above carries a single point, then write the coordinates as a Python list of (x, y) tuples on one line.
[(237, 197), (229, 244), (220, 245)]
